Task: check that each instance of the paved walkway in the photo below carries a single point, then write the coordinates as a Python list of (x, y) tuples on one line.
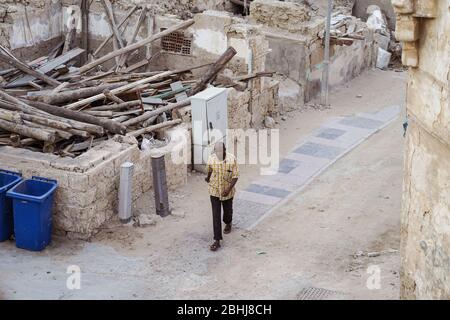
[(306, 161)]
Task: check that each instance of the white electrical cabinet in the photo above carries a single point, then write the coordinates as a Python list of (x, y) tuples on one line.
[(209, 123)]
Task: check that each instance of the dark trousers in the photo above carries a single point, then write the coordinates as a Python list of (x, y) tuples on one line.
[(227, 206)]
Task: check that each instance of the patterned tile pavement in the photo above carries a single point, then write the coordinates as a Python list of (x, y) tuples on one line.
[(307, 160)]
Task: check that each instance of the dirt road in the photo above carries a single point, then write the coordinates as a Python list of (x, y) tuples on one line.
[(316, 240)]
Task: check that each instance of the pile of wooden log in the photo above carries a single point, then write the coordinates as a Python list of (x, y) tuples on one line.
[(58, 104)]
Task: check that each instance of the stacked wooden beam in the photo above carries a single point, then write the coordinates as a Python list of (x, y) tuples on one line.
[(53, 104)]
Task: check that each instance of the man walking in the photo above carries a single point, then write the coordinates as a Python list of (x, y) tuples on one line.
[(222, 176)]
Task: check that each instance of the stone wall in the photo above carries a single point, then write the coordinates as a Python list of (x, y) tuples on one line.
[(346, 63), (289, 16), (33, 24), (180, 8), (87, 195), (29, 28), (425, 232), (296, 50)]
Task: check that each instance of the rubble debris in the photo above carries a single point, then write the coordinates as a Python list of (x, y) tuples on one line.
[(391, 50), (377, 20), (344, 29), (53, 105), (358, 254), (383, 59), (178, 213), (143, 220), (373, 254), (269, 122)]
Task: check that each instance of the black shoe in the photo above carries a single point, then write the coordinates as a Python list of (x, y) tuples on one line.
[(227, 228), (215, 246)]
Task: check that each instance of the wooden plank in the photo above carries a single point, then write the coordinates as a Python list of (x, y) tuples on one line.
[(137, 45), (87, 144), (135, 66), (100, 47), (112, 22), (85, 4), (149, 114), (109, 125), (66, 96), (150, 31), (17, 105), (26, 131), (152, 100), (119, 90), (112, 97), (30, 64), (154, 128), (124, 57), (213, 70), (71, 35), (115, 107), (117, 40), (47, 67), (31, 73)]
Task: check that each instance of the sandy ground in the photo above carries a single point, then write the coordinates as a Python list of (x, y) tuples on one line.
[(311, 241)]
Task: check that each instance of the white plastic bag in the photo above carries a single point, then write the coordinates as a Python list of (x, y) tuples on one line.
[(146, 144), (383, 58)]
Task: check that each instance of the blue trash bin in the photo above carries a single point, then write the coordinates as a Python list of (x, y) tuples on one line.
[(8, 179), (32, 207)]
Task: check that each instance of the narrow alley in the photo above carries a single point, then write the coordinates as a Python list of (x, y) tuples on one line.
[(213, 157), (323, 241)]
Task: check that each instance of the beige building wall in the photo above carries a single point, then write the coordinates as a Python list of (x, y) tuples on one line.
[(424, 27)]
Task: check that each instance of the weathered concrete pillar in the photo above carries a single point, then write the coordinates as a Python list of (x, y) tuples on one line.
[(125, 191), (160, 185)]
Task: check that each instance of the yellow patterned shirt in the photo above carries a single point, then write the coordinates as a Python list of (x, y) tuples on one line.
[(222, 174)]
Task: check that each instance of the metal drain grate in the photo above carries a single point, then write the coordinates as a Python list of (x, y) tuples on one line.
[(313, 293)]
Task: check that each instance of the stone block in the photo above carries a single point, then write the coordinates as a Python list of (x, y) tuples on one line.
[(410, 54), (407, 28), (78, 182), (403, 6), (425, 9), (282, 15), (81, 199)]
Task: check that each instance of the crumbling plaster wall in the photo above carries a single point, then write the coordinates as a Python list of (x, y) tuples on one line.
[(87, 195), (296, 50), (346, 63), (29, 28), (25, 23), (425, 230)]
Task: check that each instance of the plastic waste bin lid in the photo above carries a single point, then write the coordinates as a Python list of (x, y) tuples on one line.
[(36, 189), (8, 179)]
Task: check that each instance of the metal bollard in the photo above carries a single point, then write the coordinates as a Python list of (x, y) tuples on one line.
[(160, 186), (125, 190)]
